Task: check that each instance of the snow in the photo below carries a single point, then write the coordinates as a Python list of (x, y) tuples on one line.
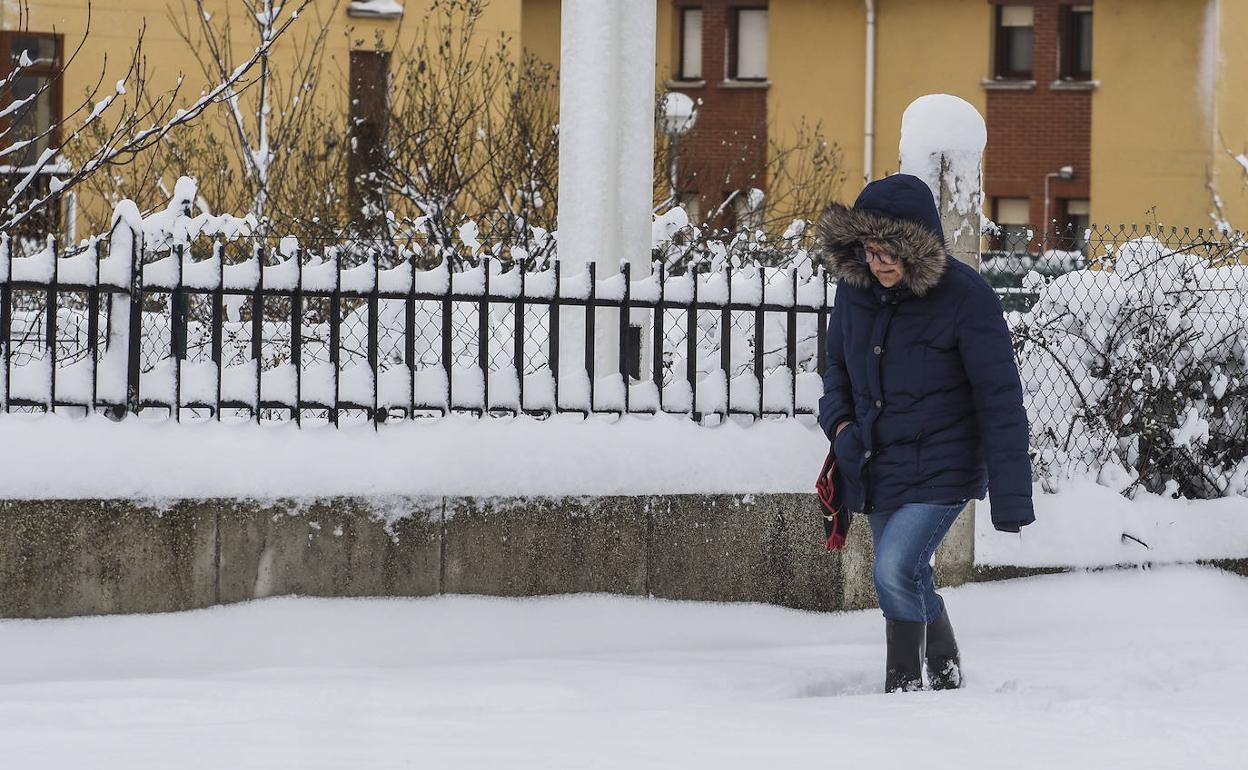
[(283, 276), (238, 383), (321, 274), (386, 9), (360, 278), (939, 125), (526, 456), (1085, 524), (33, 381), (242, 275), (174, 226), (38, 268), (397, 279), (1194, 428), (78, 269), (1063, 671), (667, 225)]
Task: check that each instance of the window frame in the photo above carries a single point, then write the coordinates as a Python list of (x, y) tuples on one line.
[(683, 10), (734, 44), (51, 71), (1069, 42), (1001, 46)]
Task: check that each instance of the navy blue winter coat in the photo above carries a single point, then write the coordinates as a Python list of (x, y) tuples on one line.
[(925, 370)]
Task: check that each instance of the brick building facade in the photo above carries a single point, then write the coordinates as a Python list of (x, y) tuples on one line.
[(726, 150), (1039, 121)]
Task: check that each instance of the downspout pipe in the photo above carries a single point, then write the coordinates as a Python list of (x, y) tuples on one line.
[(868, 129)]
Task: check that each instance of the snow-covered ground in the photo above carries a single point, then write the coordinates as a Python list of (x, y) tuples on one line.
[(1137, 669), (1088, 525)]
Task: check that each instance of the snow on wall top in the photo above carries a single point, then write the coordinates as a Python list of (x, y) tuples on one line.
[(63, 457)]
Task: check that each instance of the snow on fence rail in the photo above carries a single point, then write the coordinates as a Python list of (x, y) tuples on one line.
[(279, 332)]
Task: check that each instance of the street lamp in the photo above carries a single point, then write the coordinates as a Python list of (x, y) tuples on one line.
[(1065, 172)]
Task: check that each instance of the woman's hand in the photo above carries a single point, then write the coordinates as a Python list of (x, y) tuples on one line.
[(840, 426)]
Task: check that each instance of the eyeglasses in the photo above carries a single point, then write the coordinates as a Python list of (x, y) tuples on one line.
[(868, 253)]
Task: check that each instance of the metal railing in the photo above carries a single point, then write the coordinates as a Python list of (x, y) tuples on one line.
[(255, 329)]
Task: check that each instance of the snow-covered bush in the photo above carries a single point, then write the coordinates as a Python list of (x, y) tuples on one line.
[(1136, 370)]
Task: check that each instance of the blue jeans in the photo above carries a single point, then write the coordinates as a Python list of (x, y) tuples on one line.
[(905, 540)]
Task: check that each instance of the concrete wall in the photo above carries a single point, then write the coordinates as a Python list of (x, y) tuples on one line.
[(78, 557)]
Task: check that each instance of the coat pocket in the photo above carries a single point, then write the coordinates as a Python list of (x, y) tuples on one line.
[(847, 447)]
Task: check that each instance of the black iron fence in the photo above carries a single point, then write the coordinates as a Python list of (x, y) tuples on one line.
[(244, 328)]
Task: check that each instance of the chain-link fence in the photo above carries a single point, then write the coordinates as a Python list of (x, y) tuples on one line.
[(1132, 344)]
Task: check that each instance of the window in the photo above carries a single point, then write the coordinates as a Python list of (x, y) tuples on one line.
[(37, 87), (690, 43), (747, 44), (1015, 31), (30, 65), (1076, 42), (369, 114), (1077, 223), (1011, 215)]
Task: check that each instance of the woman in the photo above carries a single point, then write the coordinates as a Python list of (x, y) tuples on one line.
[(923, 405)]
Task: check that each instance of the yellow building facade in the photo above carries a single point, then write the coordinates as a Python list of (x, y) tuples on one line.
[(1170, 112), (1166, 96)]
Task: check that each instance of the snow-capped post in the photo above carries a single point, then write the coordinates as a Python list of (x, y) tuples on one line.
[(942, 142), (606, 154)]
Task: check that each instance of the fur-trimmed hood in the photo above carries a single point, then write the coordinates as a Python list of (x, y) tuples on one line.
[(897, 211)]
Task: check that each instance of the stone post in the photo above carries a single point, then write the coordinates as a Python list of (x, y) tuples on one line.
[(942, 141)]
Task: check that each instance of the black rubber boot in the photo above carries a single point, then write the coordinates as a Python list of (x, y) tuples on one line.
[(944, 667), (904, 667)]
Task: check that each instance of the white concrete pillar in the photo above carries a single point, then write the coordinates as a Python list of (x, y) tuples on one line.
[(606, 132), (606, 155)]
